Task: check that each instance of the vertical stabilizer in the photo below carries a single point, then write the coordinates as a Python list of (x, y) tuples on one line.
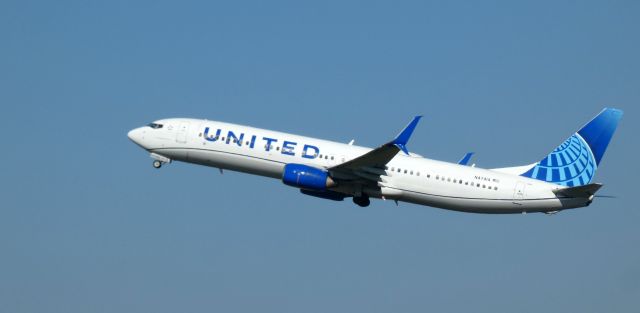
[(575, 161)]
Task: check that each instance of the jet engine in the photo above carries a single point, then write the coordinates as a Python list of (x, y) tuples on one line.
[(306, 177)]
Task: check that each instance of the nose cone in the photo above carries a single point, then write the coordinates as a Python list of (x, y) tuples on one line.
[(137, 136)]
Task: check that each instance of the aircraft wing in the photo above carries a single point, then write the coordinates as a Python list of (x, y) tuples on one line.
[(379, 157)]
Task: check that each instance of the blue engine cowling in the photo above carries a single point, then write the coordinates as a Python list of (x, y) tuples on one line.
[(306, 177)]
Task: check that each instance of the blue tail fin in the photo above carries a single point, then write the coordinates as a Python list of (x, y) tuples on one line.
[(575, 161)]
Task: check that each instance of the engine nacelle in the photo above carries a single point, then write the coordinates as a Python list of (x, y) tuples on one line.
[(306, 177)]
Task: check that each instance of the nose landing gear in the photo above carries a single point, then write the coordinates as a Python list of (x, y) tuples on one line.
[(158, 160)]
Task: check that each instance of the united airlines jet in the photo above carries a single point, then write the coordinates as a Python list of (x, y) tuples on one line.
[(335, 171)]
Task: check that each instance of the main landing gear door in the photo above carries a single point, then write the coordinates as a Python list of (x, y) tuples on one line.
[(181, 134)]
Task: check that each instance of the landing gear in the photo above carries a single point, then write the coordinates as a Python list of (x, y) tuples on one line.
[(158, 160), (362, 201)]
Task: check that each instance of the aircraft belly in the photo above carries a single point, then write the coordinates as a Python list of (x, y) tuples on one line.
[(572, 203), (236, 162), (482, 205)]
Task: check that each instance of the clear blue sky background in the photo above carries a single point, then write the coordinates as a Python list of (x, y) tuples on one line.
[(87, 225)]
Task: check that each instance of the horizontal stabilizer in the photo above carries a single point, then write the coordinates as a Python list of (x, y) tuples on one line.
[(584, 191)]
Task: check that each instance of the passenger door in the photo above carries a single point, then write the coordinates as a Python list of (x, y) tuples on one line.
[(518, 192), (181, 132)]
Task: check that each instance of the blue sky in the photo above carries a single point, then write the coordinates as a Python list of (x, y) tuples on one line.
[(87, 225)]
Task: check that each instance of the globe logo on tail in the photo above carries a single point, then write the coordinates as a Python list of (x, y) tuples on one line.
[(571, 164)]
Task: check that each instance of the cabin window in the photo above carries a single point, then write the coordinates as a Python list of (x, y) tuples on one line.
[(277, 148), (428, 175), (246, 143), (332, 157), (455, 180), (460, 182), (418, 174), (495, 188), (399, 170), (449, 179)]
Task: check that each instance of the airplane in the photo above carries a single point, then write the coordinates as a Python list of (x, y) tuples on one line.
[(335, 171)]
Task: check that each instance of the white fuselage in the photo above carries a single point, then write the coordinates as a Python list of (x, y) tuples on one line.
[(408, 178)]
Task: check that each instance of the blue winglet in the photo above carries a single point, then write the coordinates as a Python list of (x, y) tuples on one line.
[(402, 138), (466, 158)]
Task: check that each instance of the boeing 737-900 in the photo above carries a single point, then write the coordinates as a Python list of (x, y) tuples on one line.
[(335, 171)]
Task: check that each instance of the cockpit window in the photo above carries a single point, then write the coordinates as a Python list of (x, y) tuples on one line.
[(154, 125)]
